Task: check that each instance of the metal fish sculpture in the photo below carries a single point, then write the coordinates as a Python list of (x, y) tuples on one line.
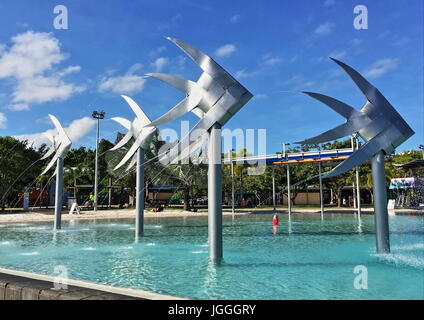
[(377, 123)]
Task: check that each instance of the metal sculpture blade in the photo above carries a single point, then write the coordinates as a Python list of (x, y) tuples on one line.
[(214, 98), (60, 144), (137, 129), (377, 123)]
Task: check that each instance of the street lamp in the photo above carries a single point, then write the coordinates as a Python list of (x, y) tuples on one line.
[(421, 146), (99, 115)]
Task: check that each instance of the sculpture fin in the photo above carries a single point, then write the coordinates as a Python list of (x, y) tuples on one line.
[(178, 83), (123, 141), (62, 134), (370, 92), (137, 110), (341, 108), (49, 153), (185, 105), (132, 150), (341, 131), (123, 122), (132, 163), (358, 157), (51, 163), (206, 63)]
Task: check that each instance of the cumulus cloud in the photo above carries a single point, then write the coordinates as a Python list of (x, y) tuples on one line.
[(160, 63), (76, 130), (129, 83), (324, 29), (225, 50), (30, 62), (381, 67), (270, 60), (3, 120)]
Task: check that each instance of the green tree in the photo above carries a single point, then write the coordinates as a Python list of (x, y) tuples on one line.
[(20, 165)]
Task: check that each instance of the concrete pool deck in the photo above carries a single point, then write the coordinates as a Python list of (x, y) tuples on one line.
[(47, 215), (21, 285)]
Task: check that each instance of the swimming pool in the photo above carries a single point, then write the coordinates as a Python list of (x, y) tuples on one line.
[(306, 259)]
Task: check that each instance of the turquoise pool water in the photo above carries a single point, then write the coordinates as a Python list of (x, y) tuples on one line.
[(306, 259)]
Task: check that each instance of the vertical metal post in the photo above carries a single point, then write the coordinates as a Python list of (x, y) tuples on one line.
[(96, 168), (273, 187), (321, 197), (232, 184), (381, 215), (358, 187), (110, 193), (59, 193), (288, 189), (139, 200), (215, 194), (352, 140)]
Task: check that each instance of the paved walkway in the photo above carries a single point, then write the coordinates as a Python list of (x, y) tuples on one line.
[(47, 215)]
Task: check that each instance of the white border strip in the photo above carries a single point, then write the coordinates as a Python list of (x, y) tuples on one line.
[(91, 285)]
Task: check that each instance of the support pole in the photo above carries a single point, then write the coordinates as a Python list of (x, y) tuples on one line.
[(110, 193), (381, 216), (288, 189), (358, 186), (139, 200), (96, 169), (59, 193), (352, 141), (232, 184), (215, 195), (273, 187), (321, 197)]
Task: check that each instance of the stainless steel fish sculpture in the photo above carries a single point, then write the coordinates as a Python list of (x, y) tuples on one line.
[(377, 123), (60, 144), (215, 97), (138, 130)]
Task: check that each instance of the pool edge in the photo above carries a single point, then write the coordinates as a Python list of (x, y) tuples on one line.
[(142, 294)]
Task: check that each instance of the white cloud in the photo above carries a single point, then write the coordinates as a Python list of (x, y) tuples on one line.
[(76, 130), (328, 3), (157, 51), (324, 29), (298, 83), (400, 42), (235, 18), (3, 120), (40, 89), (338, 54), (244, 74), (30, 64), (128, 83), (225, 50), (18, 106), (381, 67), (270, 61), (160, 63)]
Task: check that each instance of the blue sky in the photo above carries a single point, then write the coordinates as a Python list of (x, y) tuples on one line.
[(275, 48)]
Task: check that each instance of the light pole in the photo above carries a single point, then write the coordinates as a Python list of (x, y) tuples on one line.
[(99, 115), (421, 146), (288, 179)]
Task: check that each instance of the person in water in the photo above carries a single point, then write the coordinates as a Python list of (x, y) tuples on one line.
[(275, 220), (275, 224)]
